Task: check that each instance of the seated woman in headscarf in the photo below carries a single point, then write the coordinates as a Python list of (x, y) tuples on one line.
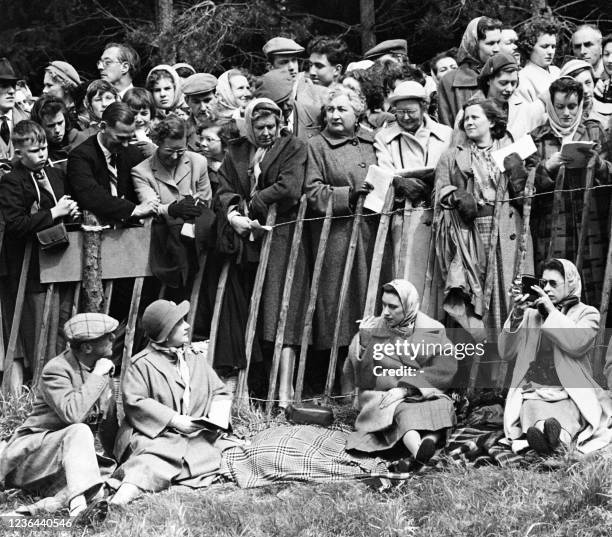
[(402, 372), (553, 397), (265, 168), (564, 104)]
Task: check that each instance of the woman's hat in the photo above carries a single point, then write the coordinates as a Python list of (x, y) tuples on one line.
[(65, 71), (408, 90), (161, 316)]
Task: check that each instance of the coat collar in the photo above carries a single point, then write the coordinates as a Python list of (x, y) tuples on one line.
[(465, 77), (545, 131), (183, 169), (361, 135), (391, 131)]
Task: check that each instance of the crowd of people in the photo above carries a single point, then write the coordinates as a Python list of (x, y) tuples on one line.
[(207, 157)]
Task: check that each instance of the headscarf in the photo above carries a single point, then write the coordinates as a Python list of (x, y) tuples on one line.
[(259, 152), (565, 133), (468, 49), (572, 288), (178, 94), (227, 102), (409, 299)]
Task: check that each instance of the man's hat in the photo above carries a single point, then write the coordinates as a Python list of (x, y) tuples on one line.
[(276, 85), (282, 45), (161, 316), (89, 326), (199, 83), (408, 90), (7, 74), (391, 46)]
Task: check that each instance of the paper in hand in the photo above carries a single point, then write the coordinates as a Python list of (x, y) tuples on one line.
[(576, 153), (380, 179), (524, 146)]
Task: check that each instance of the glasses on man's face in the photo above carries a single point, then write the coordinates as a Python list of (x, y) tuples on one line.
[(172, 152), (105, 62), (400, 112)]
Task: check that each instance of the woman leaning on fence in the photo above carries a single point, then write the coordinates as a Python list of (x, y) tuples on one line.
[(263, 169), (474, 213), (338, 162), (558, 223)]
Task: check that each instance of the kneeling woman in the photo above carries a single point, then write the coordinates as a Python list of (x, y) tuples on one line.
[(553, 397), (410, 407), (165, 387)]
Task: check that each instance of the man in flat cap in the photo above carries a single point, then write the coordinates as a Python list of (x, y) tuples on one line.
[(54, 453), (199, 90), (10, 115), (395, 50), (282, 56)]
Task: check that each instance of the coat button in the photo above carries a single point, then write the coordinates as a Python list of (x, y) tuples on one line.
[(513, 236), (362, 165), (354, 142)]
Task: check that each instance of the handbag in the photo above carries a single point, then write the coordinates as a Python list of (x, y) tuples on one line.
[(54, 237)]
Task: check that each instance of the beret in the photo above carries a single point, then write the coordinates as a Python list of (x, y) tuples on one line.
[(275, 85), (66, 71), (161, 316), (391, 46), (88, 326), (282, 45), (199, 83)]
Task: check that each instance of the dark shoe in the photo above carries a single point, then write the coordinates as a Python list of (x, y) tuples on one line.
[(552, 431), (426, 450), (93, 515), (537, 441)]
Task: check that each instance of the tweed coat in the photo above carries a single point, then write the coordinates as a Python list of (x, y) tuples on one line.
[(335, 166), (572, 335), (153, 454), (67, 395), (454, 90)]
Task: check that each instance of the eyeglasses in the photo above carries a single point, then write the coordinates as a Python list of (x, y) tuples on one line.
[(177, 152), (407, 113), (105, 62)]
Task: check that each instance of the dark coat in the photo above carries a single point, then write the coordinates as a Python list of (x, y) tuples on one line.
[(335, 166), (281, 182), (454, 90), (58, 153), (568, 220), (89, 180)]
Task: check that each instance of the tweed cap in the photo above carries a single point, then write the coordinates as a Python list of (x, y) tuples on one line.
[(161, 317), (89, 326), (282, 45), (65, 71), (408, 90), (199, 83), (276, 85), (391, 46)]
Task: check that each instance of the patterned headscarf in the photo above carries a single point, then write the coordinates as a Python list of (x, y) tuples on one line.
[(409, 298), (573, 283), (468, 49)]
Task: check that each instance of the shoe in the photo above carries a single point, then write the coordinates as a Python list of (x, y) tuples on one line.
[(552, 432), (93, 515), (426, 450), (537, 441)]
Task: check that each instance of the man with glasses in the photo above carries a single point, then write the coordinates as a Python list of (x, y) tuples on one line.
[(99, 169), (119, 65)]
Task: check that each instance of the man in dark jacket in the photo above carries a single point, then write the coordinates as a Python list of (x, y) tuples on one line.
[(99, 169)]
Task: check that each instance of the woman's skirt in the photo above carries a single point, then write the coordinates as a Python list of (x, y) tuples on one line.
[(565, 412)]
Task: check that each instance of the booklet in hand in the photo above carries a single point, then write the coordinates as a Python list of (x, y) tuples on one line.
[(218, 415), (576, 154), (380, 179)]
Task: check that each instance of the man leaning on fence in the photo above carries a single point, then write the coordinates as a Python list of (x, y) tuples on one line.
[(54, 452)]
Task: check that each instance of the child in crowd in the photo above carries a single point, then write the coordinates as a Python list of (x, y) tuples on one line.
[(141, 102), (98, 96)]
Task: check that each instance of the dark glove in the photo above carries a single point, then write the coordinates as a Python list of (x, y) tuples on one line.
[(515, 172), (356, 192), (185, 209), (258, 210), (410, 188), (466, 205)]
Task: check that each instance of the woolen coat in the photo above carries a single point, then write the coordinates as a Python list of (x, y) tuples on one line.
[(151, 452), (454, 90), (572, 336), (335, 166), (281, 182)]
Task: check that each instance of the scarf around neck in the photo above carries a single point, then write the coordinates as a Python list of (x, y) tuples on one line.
[(565, 133)]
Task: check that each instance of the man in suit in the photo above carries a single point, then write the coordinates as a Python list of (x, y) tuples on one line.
[(54, 452), (99, 169), (10, 115)]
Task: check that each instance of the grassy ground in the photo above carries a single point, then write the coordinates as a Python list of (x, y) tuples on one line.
[(572, 501)]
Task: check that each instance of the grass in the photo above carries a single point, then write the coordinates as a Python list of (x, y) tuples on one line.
[(574, 500)]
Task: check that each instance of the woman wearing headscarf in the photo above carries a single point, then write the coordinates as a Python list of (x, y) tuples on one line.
[(553, 397), (233, 93), (165, 85), (402, 368), (264, 168), (602, 97), (564, 105), (480, 41)]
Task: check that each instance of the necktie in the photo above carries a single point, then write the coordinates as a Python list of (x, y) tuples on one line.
[(113, 174), (5, 132), (44, 183)]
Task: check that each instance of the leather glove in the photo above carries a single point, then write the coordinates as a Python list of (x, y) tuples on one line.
[(356, 192), (258, 210), (185, 209), (410, 188), (466, 205), (515, 172)]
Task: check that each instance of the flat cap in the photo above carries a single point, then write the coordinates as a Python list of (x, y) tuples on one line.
[(391, 46), (65, 71), (282, 45), (408, 90), (276, 85), (199, 83), (88, 326), (161, 316)]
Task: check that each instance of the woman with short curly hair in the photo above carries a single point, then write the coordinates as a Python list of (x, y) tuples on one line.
[(370, 83), (538, 43)]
